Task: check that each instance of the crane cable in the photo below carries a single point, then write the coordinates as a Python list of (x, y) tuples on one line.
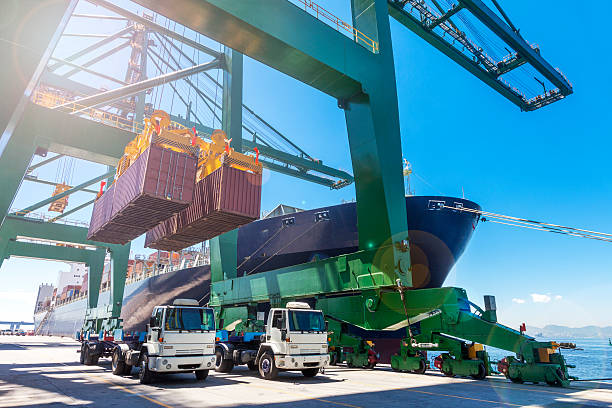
[(535, 225)]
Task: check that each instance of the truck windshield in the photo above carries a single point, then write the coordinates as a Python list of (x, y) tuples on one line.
[(182, 318), (306, 320)]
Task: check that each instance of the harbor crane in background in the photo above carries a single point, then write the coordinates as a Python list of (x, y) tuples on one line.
[(353, 63)]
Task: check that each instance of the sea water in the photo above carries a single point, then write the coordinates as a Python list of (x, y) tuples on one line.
[(593, 357)]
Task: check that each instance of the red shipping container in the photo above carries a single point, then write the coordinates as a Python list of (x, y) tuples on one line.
[(157, 185), (223, 201)]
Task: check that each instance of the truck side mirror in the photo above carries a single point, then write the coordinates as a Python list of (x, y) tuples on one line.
[(152, 321), (283, 334)]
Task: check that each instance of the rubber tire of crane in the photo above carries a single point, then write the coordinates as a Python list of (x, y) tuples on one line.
[(310, 372), (222, 365), (557, 383), (117, 365), (145, 375), (422, 368), (482, 373), (516, 380), (201, 374), (267, 367), (448, 373)]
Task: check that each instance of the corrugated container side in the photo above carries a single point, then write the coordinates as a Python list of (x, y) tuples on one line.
[(156, 186), (224, 200)]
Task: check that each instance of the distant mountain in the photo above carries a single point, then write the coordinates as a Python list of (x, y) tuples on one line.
[(586, 332)]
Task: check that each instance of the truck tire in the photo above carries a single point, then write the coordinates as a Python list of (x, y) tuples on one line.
[(222, 365), (145, 375), (267, 367), (117, 365), (252, 365), (310, 372), (82, 356), (127, 371), (201, 374)]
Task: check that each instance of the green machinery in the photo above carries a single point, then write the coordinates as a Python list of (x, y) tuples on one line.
[(368, 289)]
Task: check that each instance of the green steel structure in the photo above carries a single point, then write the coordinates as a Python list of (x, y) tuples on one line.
[(368, 289)]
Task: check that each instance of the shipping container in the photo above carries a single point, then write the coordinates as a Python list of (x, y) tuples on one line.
[(224, 200), (157, 185)]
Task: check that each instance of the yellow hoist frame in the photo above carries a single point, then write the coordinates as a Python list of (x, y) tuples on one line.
[(161, 131)]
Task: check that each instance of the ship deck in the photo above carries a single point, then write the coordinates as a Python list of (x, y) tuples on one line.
[(44, 371)]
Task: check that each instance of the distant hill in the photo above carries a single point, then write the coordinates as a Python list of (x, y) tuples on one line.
[(585, 332)]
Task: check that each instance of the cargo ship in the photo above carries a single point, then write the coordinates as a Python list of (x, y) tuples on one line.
[(438, 232)]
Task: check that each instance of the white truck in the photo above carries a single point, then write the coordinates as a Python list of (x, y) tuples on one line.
[(295, 339), (179, 338)]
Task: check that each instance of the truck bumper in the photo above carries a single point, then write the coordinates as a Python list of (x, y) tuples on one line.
[(298, 362), (161, 364)]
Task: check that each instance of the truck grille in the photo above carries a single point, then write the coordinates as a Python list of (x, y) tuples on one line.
[(309, 351), (194, 352)]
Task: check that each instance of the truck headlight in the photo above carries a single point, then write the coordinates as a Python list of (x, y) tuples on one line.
[(164, 362), (324, 346), (294, 346)]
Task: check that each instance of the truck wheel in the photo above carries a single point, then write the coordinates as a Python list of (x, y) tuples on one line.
[(82, 356), (145, 375), (310, 372), (267, 368), (127, 370), (201, 374), (223, 365), (117, 365)]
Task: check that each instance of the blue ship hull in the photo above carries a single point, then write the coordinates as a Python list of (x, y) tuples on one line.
[(438, 236)]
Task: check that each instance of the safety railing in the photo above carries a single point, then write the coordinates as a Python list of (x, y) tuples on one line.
[(49, 218), (341, 26), (51, 100)]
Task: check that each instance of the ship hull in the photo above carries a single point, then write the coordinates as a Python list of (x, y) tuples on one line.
[(437, 235)]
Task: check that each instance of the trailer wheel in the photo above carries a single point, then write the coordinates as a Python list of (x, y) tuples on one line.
[(87, 358), (267, 368), (222, 365), (310, 372), (145, 375), (201, 374), (117, 365)]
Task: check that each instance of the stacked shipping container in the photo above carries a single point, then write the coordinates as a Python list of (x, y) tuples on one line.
[(157, 185), (224, 200)]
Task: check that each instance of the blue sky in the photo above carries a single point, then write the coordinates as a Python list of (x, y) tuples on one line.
[(459, 135)]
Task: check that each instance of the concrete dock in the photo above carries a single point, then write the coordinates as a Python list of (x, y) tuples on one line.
[(38, 371)]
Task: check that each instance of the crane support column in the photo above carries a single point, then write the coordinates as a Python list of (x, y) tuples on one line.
[(372, 120), (224, 256)]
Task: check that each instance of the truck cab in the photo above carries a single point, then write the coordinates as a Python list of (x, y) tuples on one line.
[(179, 338), (295, 339)]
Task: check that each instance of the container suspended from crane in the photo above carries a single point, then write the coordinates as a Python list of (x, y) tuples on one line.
[(155, 179), (227, 196)]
